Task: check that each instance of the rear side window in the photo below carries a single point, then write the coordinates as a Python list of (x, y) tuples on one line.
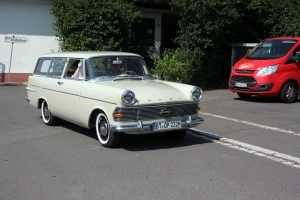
[(42, 66)]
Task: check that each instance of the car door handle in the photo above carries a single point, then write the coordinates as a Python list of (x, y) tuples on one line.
[(60, 83)]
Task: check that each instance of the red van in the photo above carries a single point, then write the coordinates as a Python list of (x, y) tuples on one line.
[(271, 68)]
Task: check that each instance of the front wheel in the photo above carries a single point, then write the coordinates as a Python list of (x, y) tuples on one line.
[(47, 116), (176, 135), (288, 93), (107, 137)]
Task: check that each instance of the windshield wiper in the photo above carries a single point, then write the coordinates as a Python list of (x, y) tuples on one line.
[(126, 76)]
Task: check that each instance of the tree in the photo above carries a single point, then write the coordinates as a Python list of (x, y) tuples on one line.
[(208, 27), (204, 38), (91, 25)]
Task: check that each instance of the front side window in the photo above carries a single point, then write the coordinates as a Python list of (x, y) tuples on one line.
[(75, 69), (271, 49)]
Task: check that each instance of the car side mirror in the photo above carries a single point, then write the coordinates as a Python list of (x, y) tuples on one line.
[(157, 76), (296, 58)]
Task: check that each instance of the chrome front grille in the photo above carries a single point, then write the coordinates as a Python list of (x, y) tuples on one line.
[(154, 112)]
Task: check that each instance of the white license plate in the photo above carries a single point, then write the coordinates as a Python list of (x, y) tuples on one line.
[(237, 84), (166, 125)]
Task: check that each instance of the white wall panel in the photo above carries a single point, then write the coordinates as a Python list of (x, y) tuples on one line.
[(32, 20)]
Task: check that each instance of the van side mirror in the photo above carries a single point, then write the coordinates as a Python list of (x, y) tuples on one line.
[(296, 58)]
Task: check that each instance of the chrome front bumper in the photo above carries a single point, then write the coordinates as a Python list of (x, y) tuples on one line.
[(141, 128), (27, 98)]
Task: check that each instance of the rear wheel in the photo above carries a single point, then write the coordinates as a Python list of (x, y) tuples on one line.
[(288, 93), (47, 116), (244, 96), (176, 135), (106, 137)]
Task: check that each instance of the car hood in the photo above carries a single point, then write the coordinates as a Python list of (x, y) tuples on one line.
[(245, 64), (150, 91)]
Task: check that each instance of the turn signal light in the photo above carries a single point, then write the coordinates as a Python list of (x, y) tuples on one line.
[(198, 109), (116, 115)]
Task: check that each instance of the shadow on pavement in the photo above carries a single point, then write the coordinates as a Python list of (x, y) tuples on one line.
[(142, 142), (260, 99)]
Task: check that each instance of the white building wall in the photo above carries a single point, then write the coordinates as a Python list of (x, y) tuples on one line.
[(32, 20)]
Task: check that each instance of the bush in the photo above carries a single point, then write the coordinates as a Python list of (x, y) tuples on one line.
[(172, 68), (90, 25)]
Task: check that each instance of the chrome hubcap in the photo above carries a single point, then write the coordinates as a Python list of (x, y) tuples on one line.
[(103, 128), (46, 112)]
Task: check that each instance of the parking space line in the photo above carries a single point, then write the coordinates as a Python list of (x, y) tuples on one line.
[(272, 155), (253, 124)]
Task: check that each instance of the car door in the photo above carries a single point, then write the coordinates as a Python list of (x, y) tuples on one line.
[(69, 88), (49, 84)]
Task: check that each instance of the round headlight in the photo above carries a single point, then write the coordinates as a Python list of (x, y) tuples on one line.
[(128, 97), (196, 93)]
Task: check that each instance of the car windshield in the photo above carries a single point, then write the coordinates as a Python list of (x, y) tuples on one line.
[(271, 49), (117, 67)]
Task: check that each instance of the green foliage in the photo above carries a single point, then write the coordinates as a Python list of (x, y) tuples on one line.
[(208, 27), (204, 34), (284, 18), (172, 68), (91, 25), (206, 30)]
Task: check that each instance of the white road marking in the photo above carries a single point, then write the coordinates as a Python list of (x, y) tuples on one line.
[(252, 124), (272, 155)]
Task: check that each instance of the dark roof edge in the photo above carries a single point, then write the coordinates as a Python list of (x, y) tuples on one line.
[(159, 4)]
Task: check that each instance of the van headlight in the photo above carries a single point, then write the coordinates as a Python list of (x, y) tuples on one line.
[(267, 70), (128, 97), (196, 93)]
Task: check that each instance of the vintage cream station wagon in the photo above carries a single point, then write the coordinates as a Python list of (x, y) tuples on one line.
[(112, 92)]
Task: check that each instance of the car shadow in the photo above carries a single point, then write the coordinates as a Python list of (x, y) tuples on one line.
[(156, 141), (261, 99), (144, 142)]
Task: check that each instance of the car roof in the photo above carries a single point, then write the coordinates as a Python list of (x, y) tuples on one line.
[(89, 54), (284, 38)]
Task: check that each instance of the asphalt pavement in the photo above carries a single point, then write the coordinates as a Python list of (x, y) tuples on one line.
[(67, 162)]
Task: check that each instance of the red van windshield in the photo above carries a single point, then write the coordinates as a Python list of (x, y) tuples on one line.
[(271, 49)]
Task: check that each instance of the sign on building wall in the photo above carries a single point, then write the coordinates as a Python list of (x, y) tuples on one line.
[(13, 39)]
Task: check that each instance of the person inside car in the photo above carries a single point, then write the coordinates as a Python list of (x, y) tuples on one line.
[(79, 71), (115, 68)]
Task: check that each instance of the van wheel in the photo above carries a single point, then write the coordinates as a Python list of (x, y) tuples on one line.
[(244, 96), (47, 116), (288, 93), (176, 135), (107, 137)]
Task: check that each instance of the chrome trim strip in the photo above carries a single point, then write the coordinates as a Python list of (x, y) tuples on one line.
[(81, 96), (29, 89), (61, 92), (140, 127), (99, 100)]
